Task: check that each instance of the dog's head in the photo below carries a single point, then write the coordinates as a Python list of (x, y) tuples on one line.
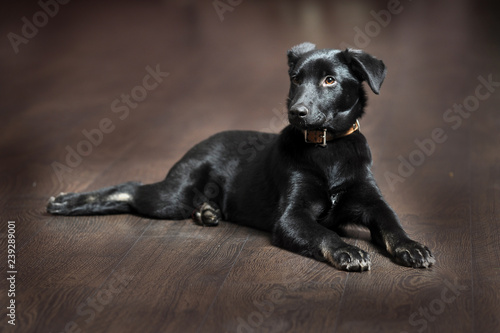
[(326, 88)]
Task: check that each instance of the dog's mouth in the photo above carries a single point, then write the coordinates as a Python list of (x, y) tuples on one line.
[(297, 122), (304, 123), (302, 126)]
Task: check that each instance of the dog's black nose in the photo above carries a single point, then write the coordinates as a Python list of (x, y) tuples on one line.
[(299, 110)]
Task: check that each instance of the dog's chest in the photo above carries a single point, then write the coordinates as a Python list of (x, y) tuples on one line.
[(339, 174), (335, 197), (344, 164)]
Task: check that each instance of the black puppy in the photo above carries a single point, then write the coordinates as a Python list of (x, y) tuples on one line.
[(301, 185)]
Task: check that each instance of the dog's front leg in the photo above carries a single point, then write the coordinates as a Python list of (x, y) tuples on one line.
[(387, 232), (298, 231)]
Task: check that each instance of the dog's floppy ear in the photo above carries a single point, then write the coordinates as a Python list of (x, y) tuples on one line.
[(297, 51), (367, 67)]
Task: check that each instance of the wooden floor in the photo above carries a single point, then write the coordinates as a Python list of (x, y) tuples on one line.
[(67, 125)]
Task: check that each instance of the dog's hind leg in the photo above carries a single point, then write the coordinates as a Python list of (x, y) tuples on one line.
[(170, 199), (207, 215), (187, 191), (110, 200), (163, 200)]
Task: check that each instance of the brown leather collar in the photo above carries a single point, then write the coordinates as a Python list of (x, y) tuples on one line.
[(322, 137)]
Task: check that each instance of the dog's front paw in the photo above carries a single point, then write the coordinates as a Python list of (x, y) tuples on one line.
[(413, 254), (348, 258)]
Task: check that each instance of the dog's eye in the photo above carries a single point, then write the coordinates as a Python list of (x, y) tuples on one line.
[(296, 81), (329, 81)]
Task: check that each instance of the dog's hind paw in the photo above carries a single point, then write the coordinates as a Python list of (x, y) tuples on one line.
[(61, 204), (56, 205), (348, 258), (413, 254), (207, 215)]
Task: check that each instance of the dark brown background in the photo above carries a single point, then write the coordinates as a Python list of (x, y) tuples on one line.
[(174, 276)]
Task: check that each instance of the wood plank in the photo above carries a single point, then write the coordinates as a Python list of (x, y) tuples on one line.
[(485, 234), (270, 289), (186, 266), (484, 220)]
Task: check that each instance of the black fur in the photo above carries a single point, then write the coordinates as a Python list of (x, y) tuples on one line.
[(300, 192)]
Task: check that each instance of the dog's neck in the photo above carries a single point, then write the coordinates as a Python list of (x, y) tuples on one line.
[(321, 137)]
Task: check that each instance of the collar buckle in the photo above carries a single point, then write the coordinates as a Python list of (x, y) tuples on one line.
[(319, 139)]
